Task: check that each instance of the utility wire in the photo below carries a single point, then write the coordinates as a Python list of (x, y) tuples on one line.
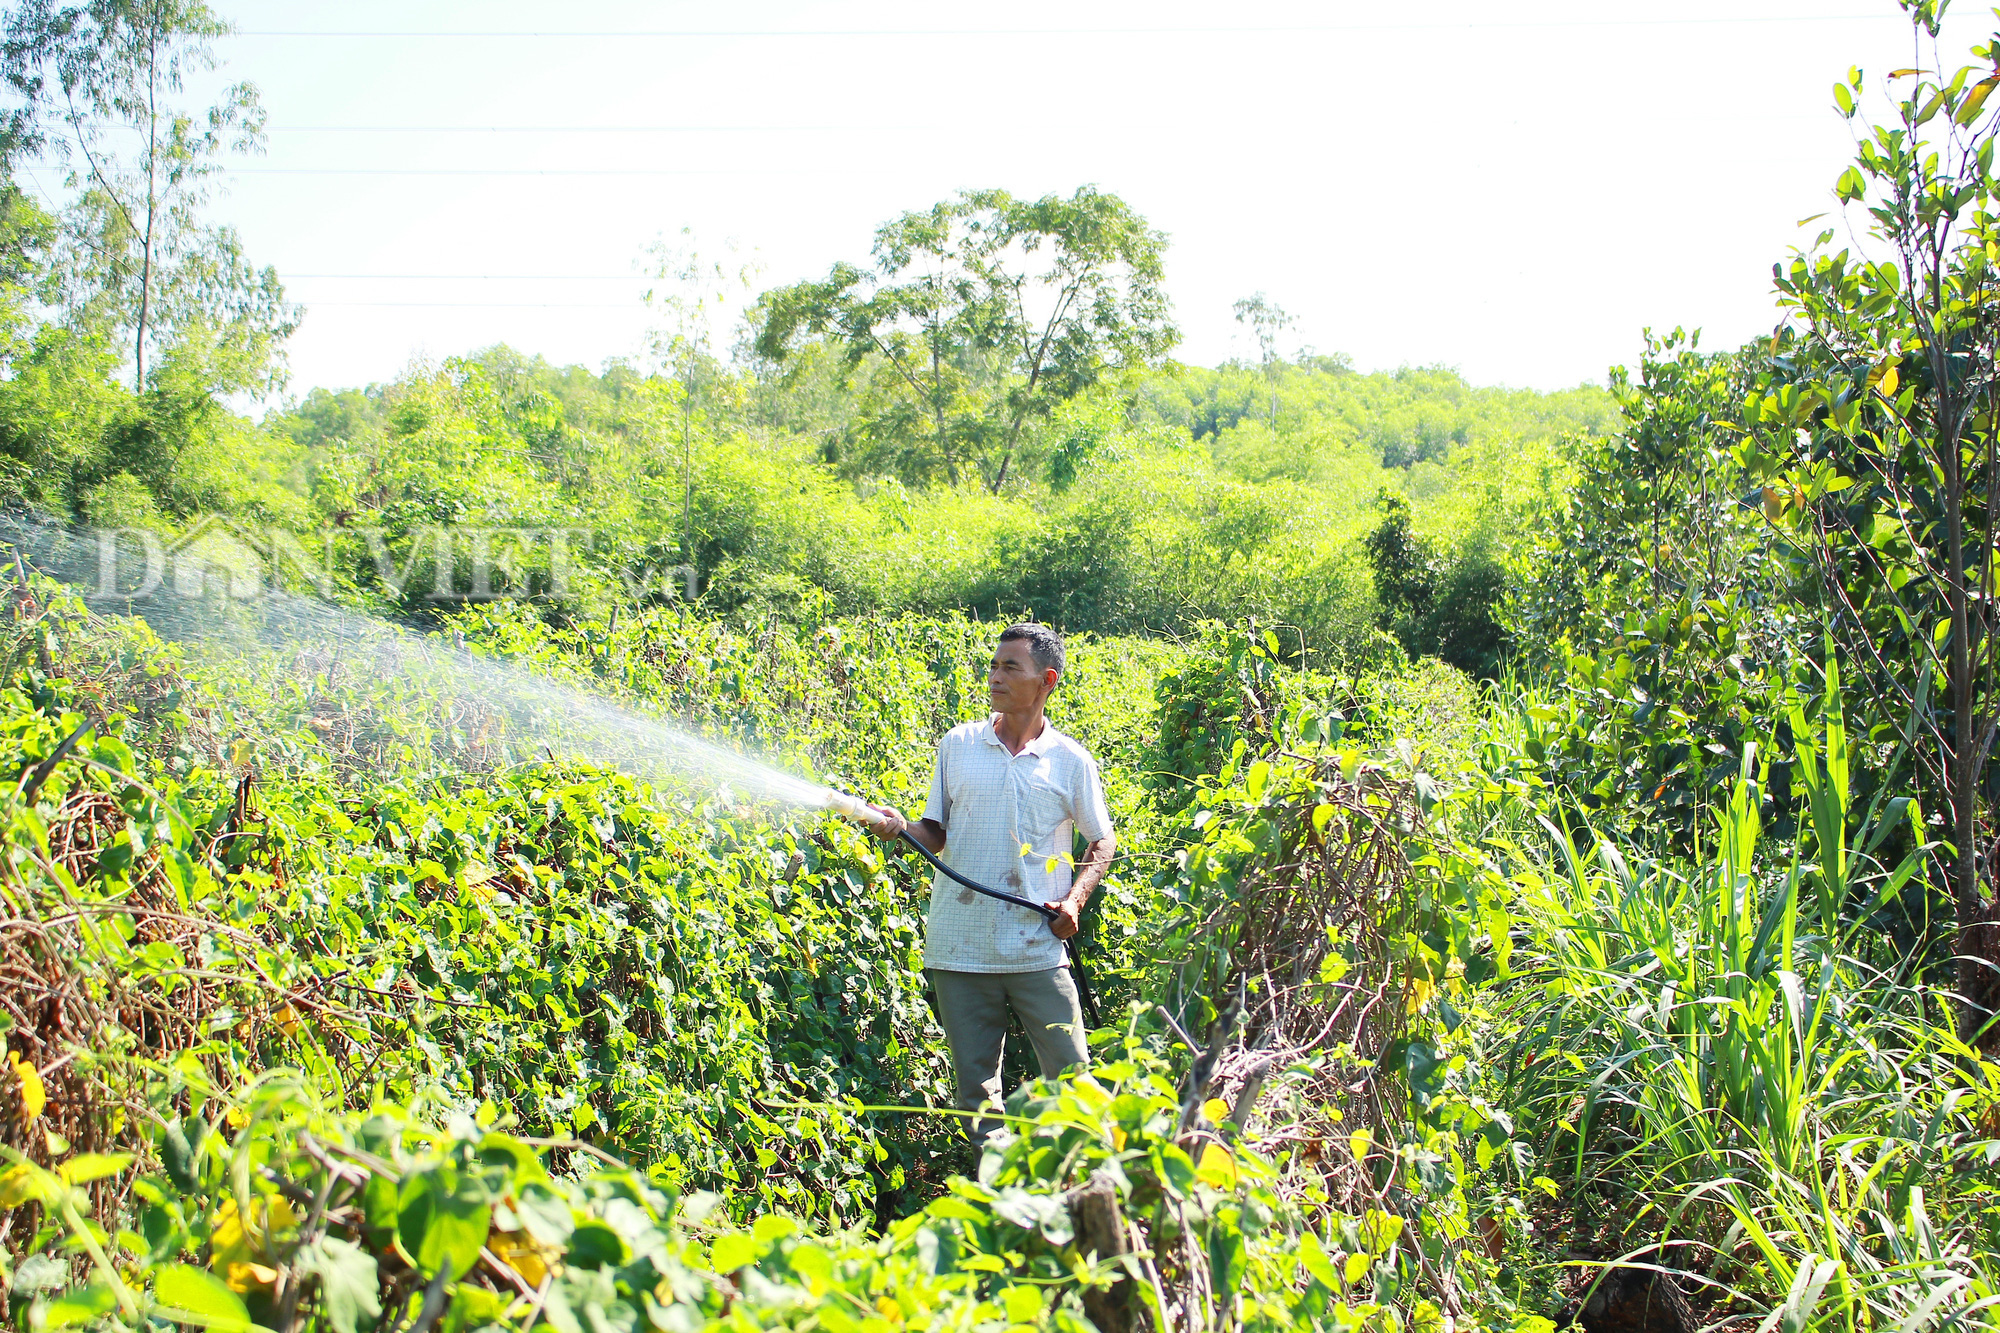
[(1201, 31), (828, 126), (485, 277), (473, 305), (613, 129), (559, 171), (1153, 126)]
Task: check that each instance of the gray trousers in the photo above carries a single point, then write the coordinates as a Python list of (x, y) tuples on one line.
[(972, 1006)]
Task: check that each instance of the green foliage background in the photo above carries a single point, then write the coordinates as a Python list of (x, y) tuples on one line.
[(1642, 727)]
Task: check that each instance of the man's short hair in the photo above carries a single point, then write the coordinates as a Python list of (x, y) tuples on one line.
[(1044, 643)]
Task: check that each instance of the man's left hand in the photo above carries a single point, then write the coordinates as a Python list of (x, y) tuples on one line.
[(1064, 923)]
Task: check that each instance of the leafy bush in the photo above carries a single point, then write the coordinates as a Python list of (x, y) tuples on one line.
[(270, 1208)]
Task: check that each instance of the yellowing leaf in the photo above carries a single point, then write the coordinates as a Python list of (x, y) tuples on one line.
[(1117, 1138), (1359, 1143), (234, 1241), (1217, 1169), (522, 1253), (248, 1277), (27, 1183), (34, 1095), (1215, 1109), (1356, 1267), (1975, 100)]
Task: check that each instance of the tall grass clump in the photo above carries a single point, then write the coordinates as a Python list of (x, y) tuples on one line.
[(1746, 1089)]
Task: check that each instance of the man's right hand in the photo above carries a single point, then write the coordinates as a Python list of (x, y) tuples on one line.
[(888, 824)]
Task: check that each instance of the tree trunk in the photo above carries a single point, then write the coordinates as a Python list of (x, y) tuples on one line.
[(1100, 1231), (152, 206), (687, 482), (1962, 761), (937, 418)]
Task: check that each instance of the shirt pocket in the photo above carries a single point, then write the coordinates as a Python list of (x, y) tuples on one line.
[(1044, 809)]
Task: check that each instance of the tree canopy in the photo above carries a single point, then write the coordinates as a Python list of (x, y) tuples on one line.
[(978, 316)]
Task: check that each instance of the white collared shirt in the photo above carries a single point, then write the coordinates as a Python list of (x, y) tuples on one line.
[(990, 803)]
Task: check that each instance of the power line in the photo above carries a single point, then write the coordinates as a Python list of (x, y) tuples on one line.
[(484, 277), (599, 129), (560, 171), (471, 305), (1207, 30), (827, 127)]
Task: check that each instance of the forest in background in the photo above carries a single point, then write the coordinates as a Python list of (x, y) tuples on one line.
[(1146, 507), (1556, 828)]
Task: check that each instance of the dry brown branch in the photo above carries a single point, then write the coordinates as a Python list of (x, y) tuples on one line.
[(1313, 1001)]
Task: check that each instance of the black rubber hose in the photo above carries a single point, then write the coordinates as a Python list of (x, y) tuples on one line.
[(1084, 996)]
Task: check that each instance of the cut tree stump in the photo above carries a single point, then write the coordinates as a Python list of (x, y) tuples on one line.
[(1100, 1228), (1630, 1300)]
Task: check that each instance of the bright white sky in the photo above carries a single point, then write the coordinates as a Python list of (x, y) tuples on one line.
[(1515, 189)]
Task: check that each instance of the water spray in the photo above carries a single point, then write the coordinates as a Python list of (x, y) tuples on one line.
[(858, 810), (548, 711)]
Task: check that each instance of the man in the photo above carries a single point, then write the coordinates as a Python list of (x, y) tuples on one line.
[(1005, 795)]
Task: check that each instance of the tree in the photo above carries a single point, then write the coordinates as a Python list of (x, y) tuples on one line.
[(1267, 319), (1876, 439), (1438, 599), (1407, 569), (694, 289), (980, 315), (138, 257)]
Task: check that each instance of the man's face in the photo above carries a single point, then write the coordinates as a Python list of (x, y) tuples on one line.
[(1013, 681)]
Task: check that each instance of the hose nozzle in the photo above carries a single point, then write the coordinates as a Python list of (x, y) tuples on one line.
[(851, 807)]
